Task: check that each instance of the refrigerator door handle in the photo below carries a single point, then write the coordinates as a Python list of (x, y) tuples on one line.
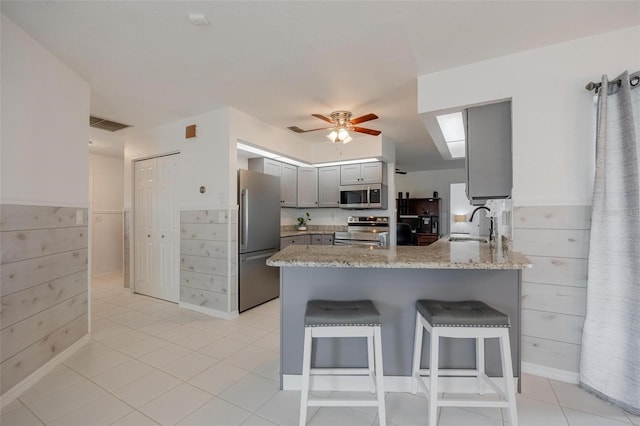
[(244, 208)]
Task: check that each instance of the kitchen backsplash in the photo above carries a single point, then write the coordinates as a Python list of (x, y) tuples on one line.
[(336, 217)]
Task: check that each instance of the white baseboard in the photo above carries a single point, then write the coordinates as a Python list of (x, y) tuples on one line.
[(10, 395), (208, 311), (551, 373), (391, 383)]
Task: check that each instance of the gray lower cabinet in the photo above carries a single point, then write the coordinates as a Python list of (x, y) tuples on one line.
[(488, 152), (314, 239), (298, 239), (327, 239)]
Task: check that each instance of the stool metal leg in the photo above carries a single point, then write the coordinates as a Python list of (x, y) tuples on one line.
[(433, 376), (306, 367), (377, 333), (417, 355), (507, 374)]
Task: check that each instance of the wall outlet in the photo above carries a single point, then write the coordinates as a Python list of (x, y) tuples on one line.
[(79, 217)]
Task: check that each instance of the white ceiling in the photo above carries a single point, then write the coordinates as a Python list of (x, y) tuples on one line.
[(281, 61)]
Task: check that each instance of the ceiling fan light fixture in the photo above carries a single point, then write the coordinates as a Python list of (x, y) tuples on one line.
[(333, 136), (348, 139), (343, 134)]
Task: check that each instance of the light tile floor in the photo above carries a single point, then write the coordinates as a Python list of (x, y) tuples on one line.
[(152, 363)]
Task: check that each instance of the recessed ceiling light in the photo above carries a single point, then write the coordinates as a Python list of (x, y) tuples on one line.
[(198, 19)]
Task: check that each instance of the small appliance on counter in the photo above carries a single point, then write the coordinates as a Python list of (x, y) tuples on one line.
[(372, 231)]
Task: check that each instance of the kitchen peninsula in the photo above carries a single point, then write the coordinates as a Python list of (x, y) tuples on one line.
[(394, 278)]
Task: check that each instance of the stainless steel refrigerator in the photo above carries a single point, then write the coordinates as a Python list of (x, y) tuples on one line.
[(259, 238)]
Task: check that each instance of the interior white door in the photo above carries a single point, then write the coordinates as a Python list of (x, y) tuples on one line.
[(157, 230)]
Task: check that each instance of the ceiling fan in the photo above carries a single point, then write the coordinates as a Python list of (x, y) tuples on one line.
[(341, 125)]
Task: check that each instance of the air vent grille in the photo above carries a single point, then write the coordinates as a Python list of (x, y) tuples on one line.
[(101, 123)]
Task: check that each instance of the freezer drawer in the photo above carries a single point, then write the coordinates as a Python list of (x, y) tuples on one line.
[(259, 283)]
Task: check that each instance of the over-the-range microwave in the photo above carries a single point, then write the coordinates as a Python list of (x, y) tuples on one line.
[(365, 196)]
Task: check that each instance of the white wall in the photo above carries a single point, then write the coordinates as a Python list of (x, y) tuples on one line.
[(553, 163), (203, 160), (45, 132), (459, 204), (553, 146), (106, 188)]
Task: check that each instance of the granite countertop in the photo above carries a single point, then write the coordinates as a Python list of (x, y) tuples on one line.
[(292, 230), (442, 254), (307, 232)]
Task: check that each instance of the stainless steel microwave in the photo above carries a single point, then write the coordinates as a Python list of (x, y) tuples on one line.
[(372, 196)]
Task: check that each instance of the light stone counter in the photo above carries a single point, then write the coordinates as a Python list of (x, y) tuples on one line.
[(292, 230), (394, 278), (439, 255)]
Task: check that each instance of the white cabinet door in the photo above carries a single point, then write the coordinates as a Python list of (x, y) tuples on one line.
[(157, 229), (307, 187), (350, 174), (266, 166), (353, 174), (272, 167), (289, 186), (371, 173), (329, 186)]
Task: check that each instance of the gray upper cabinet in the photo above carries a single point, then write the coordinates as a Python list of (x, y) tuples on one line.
[(307, 187), (488, 152), (289, 185), (288, 178), (353, 174), (329, 186)]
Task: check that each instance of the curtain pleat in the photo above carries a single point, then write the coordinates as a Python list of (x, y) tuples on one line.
[(610, 352)]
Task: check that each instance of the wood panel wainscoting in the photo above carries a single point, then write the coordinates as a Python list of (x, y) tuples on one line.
[(43, 287), (556, 240), (209, 261)]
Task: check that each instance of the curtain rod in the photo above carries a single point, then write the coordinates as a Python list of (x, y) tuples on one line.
[(633, 80)]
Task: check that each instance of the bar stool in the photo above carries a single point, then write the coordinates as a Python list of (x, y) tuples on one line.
[(468, 319), (329, 318)]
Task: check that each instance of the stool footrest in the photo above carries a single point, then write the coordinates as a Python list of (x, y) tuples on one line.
[(471, 403), (444, 372), (340, 372), (342, 402)]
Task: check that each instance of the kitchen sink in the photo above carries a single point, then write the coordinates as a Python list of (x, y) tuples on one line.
[(463, 239)]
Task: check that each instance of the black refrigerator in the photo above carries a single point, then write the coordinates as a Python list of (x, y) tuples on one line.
[(258, 238)]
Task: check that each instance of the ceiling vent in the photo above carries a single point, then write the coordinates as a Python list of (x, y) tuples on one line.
[(101, 123)]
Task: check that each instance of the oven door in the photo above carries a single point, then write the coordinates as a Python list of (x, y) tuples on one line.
[(354, 196)]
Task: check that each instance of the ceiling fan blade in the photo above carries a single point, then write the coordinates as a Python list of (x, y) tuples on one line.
[(367, 131), (322, 117), (299, 130), (364, 118)]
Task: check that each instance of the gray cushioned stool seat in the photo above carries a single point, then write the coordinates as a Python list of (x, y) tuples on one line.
[(341, 313), (470, 313)]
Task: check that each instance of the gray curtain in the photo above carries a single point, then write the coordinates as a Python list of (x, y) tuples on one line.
[(610, 354)]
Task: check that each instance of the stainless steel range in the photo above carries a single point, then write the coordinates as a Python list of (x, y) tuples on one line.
[(365, 231)]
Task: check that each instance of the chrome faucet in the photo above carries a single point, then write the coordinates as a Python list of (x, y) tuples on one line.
[(491, 236)]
